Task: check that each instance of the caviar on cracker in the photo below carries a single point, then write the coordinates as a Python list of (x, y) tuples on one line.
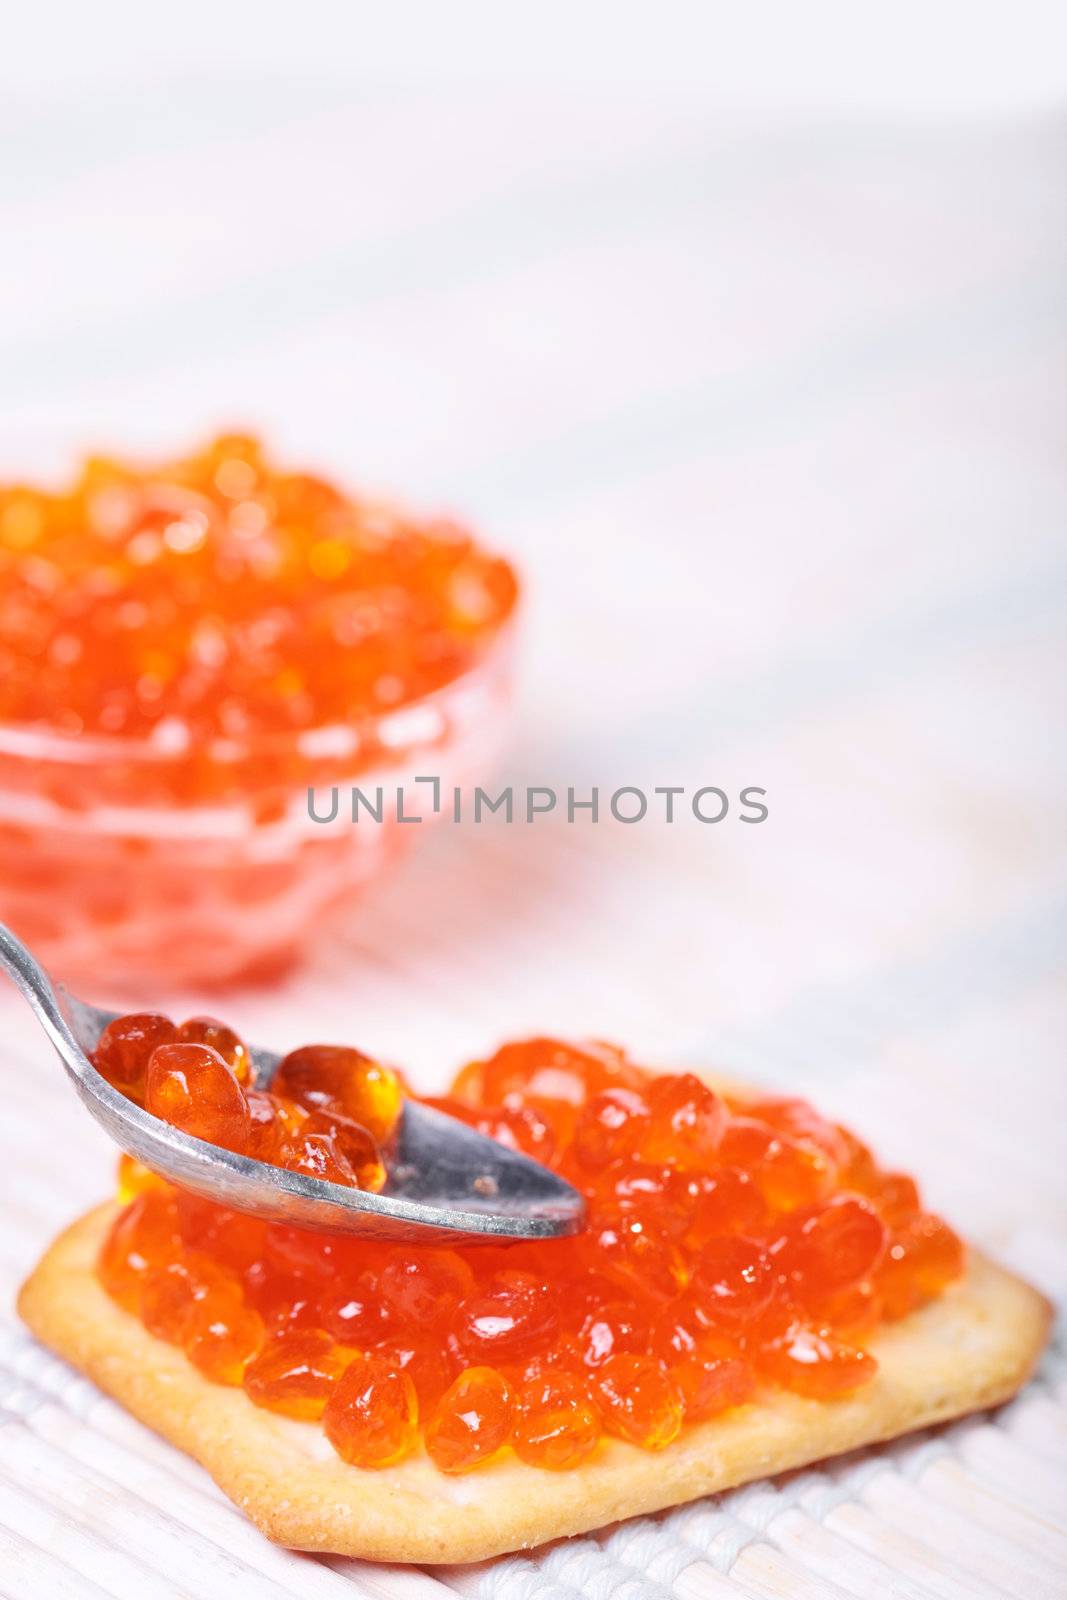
[(732, 1245)]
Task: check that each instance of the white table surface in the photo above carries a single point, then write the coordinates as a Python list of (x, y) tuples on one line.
[(772, 417)]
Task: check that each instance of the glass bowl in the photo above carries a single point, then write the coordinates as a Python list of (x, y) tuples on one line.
[(111, 877), (145, 863)]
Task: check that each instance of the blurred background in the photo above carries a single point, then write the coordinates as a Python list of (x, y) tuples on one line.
[(748, 344)]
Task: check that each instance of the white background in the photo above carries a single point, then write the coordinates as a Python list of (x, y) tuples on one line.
[(940, 57)]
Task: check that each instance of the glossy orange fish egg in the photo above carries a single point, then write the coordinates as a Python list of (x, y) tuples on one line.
[(725, 1251)]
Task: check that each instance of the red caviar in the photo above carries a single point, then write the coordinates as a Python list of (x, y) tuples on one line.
[(334, 1077), (221, 1336), (296, 1372), (730, 1248), (557, 1423), (307, 1122), (641, 1400), (221, 1039), (202, 659), (471, 1420), (125, 1047), (371, 1417), (191, 1087), (219, 595)]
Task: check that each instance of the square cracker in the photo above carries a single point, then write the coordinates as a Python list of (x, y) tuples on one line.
[(969, 1349)]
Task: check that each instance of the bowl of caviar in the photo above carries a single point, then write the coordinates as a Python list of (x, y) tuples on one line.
[(191, 649)]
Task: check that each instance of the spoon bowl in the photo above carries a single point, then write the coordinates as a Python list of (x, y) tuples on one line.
[(445, 1181)]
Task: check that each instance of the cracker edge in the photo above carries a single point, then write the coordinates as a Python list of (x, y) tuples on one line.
[(971, 1349)]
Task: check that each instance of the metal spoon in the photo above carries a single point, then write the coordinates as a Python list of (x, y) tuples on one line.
[(445, 1181)]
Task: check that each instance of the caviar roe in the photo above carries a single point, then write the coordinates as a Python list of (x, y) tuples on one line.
[(317, 1118), (222, 596), (730, 1248)]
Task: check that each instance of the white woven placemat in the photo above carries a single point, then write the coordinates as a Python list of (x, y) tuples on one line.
[(771, 419)]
